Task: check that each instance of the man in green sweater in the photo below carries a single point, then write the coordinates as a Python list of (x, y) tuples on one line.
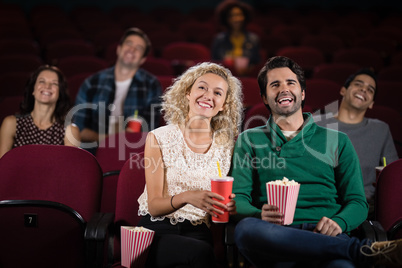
[(331, 200)]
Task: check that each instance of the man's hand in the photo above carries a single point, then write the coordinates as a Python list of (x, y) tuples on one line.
[(271, 214), (327, 226)]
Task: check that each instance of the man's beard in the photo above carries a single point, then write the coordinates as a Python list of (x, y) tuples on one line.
[(285, 112)]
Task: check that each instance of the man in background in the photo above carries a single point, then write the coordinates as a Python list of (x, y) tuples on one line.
[(107, 98), (371, 138)]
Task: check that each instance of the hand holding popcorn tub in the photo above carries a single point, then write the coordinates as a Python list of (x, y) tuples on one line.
[(135, 243), (283, 194)]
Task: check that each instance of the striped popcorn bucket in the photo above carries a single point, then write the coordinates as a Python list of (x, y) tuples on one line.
[(135, 243), (285, 198)]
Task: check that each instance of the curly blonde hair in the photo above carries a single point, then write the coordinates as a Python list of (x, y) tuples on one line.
[(226, 124)]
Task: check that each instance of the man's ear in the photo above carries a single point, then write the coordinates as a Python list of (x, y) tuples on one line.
[(264, 99), (343, 91)]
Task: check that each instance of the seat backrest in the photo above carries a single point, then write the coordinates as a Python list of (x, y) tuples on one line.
[(74, 83), (9, 106), (41, 234), (116, 149), (390, 73), (256, 116), (130, 186), (294, 31), (321, 92), (326, 43), (307, 57), (198, 32), (67, 48), (81, 64), (390, 116), (396, 59), (49, 193), (384, 46), (111, 154), (388, 198), (337, 72), (48, 35), (186, 51), (56, 173), (158, 66), (161, 38), (19, 46), (13, 84), (363, 57), (387, 89), (19, 63), (166, 81), (251, 91)]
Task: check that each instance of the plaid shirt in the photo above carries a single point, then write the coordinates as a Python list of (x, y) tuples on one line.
[(98, 92)]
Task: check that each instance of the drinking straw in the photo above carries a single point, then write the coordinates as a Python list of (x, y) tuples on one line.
[(219, 169), (136, 114), (384, 161)]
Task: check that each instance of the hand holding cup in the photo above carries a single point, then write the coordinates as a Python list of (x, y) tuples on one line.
[(223, 187)]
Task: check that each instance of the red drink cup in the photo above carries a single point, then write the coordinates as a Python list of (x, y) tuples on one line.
[(134, 125), (223, 187)]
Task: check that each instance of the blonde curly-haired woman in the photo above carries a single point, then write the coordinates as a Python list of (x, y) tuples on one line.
[(203, 111)]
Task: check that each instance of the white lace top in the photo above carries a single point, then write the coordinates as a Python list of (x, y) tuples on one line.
[(186, 170)]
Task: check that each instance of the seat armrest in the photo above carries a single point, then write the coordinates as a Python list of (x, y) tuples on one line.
[(394, 229), (99, 226), (99, 239), (373, 231)]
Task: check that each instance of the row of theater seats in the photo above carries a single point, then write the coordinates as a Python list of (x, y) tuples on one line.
[(328, 30), (52, 211), (331, 49), (308, 55), (68, 54), (311, 38), (60, 207)]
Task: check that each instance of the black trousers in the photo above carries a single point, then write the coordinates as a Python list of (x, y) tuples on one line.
[(180, 245)]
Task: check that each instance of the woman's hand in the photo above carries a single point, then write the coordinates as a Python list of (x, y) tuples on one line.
[(271, 214), (205, 200)]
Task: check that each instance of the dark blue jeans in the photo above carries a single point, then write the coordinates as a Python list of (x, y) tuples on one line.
[(270, 245)]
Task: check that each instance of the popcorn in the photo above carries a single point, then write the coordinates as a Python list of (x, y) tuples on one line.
[(283, 194), (136, 229), (135, 243), (284, 181)]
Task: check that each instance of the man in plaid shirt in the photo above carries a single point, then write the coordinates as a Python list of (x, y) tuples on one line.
[(107, 98)]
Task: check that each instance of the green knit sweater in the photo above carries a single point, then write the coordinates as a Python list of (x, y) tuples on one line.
[(323, 161)]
